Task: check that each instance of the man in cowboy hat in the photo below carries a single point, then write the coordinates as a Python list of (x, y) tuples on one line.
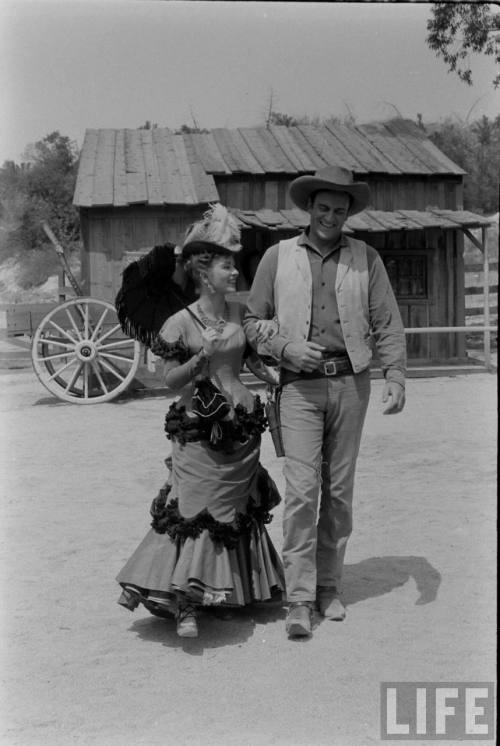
[(331, 297)]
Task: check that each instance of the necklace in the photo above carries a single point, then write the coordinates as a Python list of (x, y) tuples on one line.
[(217, 324)]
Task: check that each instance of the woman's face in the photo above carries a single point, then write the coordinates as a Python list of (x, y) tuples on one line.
[(222, 274)]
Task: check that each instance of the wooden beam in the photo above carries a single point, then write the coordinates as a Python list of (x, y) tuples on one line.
[(474, 240)]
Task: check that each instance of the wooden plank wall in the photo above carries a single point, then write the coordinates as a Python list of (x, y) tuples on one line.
[(108, 234), (396, 193), (445, 303)]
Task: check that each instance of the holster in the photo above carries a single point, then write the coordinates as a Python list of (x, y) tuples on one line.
[(272, 409)]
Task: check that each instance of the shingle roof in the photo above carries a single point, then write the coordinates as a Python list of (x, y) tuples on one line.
[(368, 221), (121, 167)]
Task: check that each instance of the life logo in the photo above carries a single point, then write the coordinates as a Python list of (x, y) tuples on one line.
[(422, 710)]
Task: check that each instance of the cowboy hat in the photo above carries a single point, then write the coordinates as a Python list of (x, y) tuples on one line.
[(332, 179)]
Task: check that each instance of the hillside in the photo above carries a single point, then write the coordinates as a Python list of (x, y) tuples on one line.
[(19, 283)]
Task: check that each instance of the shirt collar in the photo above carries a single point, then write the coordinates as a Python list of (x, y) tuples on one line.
[(303, 240)]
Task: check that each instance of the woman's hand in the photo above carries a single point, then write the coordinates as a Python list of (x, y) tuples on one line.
[(211, 340), (266, 330)]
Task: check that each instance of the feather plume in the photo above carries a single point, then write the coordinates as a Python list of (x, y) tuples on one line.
[(219, 226)]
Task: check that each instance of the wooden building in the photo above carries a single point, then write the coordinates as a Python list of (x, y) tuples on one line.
[(138, 188)]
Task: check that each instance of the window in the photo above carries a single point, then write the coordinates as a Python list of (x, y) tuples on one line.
[(408, 274)]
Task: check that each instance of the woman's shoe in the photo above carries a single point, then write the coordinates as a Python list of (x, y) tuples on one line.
[(186, 621)]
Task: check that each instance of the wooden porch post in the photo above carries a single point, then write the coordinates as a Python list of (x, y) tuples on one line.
[(486, 269), (486, 292)]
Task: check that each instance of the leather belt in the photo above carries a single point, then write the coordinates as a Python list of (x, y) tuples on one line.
[(331, 367)]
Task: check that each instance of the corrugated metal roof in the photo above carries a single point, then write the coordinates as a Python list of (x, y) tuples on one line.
[(368, 221), (120, 167)]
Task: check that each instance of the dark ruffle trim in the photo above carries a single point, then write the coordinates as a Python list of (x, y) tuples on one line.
[(184, 429), (167, 519), (170, 350)]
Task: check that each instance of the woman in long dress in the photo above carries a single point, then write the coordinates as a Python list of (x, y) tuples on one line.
[(208, 544)]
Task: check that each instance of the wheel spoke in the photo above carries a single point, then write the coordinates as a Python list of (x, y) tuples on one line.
[(54, 341), (86, 321), (118, 343), (110, 356), (83, 310), (58, 372), (115, 328), (112, 370), (54, 357), (73, 378), (72, 321), (95, 368), (63, 331), (86, 380), (98, 325)]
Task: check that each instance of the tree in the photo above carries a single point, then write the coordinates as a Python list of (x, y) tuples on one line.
[(458, 29), (41, 188), (287, 120), (186, 129), (476, 148)]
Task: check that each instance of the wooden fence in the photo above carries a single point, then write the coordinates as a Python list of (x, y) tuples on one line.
[(474, 293)]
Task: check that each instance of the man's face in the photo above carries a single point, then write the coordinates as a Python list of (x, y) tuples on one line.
[(328, 213)]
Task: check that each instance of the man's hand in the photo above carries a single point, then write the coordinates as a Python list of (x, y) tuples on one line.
[(303, 355), (395, 395), (266, 330)]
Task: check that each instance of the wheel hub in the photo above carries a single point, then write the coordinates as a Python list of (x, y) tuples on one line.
[(85, 351)]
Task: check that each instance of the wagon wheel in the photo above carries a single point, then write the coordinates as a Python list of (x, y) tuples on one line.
[(80, 353)]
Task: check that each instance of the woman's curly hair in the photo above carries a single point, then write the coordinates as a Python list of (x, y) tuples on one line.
[(197, 256)]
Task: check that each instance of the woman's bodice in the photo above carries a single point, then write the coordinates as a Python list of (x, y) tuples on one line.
[(225, 363)]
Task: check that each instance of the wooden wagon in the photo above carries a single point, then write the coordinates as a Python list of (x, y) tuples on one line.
[(79, 351)]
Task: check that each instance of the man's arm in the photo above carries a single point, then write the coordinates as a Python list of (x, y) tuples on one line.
[(260, 305), (388, 333)]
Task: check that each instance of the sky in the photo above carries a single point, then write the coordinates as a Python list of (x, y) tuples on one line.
[(71, 65)]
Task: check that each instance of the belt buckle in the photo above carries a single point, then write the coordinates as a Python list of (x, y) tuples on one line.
[(330, 368)]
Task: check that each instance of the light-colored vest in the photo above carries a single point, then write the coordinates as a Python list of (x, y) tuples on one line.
[(293, 297)]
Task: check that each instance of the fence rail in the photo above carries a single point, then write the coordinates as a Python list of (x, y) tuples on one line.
[(486, 330), (477, 295)]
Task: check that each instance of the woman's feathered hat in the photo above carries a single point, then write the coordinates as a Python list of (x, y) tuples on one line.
[(218, 226), (155, 286)]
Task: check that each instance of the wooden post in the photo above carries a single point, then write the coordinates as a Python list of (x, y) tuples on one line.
[(61, 285), (482, 246), (486, 269)]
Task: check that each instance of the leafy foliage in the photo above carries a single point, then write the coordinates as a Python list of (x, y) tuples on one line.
[(286, 120), (476, 148), (458, 29), (185, 129), (39, 189)]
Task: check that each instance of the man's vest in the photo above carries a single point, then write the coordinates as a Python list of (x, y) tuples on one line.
[(293, 297)]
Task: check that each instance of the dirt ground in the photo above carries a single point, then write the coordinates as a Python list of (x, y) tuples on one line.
[(77, 668)]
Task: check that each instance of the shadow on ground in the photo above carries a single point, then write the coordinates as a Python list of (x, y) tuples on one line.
[(379, 575), (218, 627)]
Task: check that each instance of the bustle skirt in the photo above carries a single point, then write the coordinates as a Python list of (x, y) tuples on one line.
[(202, 558)]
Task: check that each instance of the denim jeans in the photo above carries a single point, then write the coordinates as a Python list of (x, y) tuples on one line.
[(322, 421)]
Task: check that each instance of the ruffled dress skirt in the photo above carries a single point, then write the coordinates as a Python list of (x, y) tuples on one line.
[(208, 543)]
